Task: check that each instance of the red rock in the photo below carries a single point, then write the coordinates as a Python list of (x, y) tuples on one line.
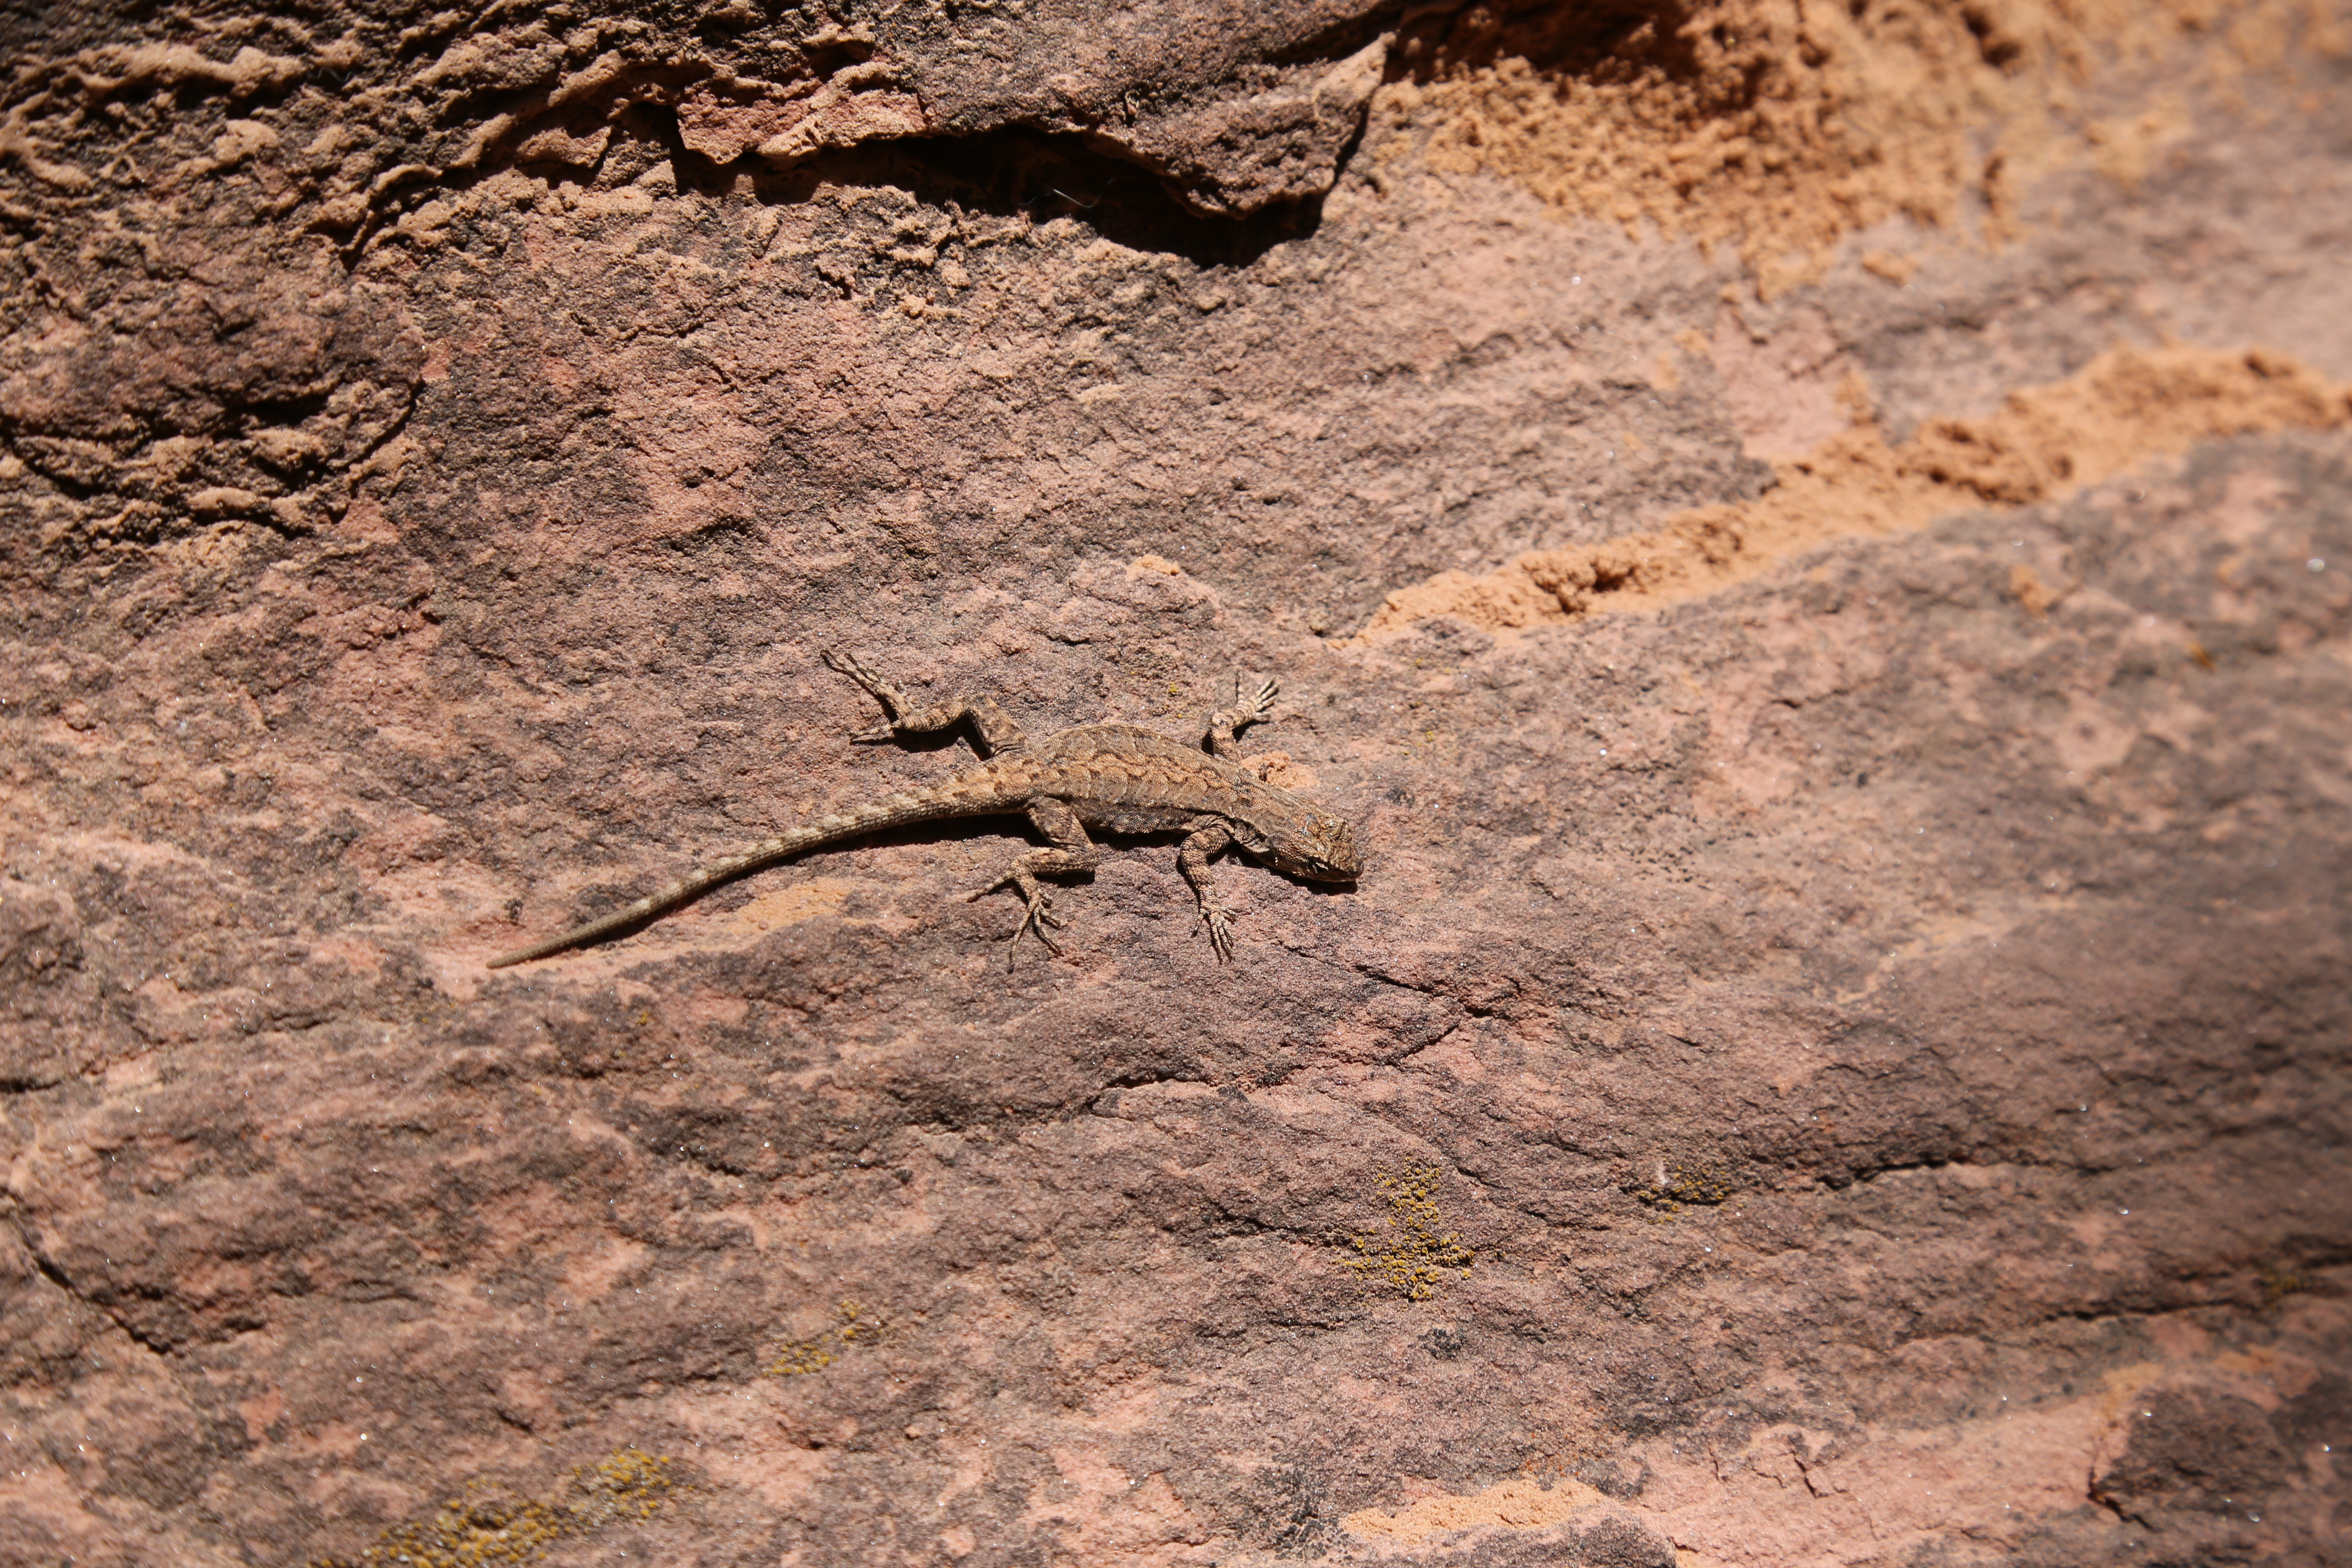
[(1872, 1028)]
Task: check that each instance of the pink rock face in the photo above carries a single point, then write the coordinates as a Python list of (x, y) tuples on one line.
[(1841, 1062)]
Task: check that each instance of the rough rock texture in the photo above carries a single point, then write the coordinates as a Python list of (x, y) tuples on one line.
[(1842, 1060)]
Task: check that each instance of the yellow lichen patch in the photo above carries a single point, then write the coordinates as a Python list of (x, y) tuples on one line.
[(1666, 1186), (2279, 1282), (1520, 1503), (487, 1524), (478, 1527), (1413, 1251), (853, 1323), (798, 1359), (626, 1484), (2045, 442)]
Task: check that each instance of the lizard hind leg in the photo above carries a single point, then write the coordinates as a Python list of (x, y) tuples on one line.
[(1071, 854)]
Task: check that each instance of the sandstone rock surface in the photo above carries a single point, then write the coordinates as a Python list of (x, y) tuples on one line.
[(1839, 1054)]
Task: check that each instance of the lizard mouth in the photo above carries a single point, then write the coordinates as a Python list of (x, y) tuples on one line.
[(1313, 868), (1341, 867), (1341, 863)]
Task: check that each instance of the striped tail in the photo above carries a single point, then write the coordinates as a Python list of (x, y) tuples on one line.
[(926, 807)]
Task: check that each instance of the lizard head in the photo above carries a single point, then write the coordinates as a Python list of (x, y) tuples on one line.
[(1320, 846)]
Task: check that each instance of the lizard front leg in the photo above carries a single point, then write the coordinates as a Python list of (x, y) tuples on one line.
[(1070, 853), (1192, 859), (997, 730), (1226, 724)]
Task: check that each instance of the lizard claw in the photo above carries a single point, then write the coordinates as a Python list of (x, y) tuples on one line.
[(1036, 916), (1256, 707), (1037, 919), (1226, 724), (881, 691)]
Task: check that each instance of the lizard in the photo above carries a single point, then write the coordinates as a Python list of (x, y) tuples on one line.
[(1117, 778)]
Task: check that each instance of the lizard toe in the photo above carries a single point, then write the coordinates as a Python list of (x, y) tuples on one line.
[(1033, 919), (1220, 932)]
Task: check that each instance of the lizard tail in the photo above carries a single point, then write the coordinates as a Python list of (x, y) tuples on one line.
[(872, 818)]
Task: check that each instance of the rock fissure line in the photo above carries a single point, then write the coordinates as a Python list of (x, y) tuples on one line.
[(57, 1276)]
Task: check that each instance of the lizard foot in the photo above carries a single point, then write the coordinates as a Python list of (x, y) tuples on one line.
[(1221, 932), (882, 691), (1226, 724), (1037, 917), (1259, 706), (1254, 709)]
